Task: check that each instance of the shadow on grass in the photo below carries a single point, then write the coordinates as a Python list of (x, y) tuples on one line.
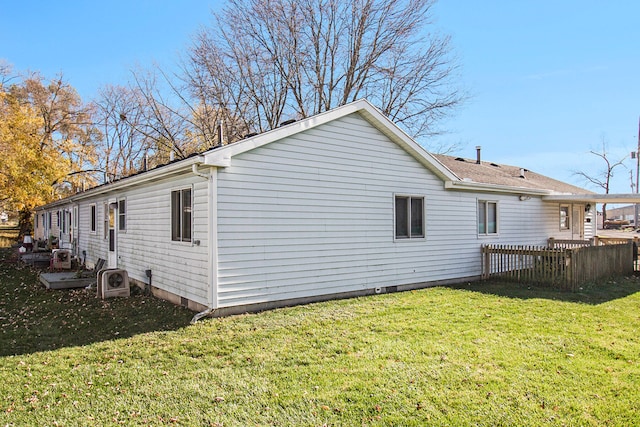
[(590, 293), (34, 318)]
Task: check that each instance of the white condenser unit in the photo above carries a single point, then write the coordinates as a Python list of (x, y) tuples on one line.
[(61, 259), (113, 283)]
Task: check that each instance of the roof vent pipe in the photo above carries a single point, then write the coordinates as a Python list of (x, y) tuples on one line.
[(522, 173), (220, 132), (478, 158)]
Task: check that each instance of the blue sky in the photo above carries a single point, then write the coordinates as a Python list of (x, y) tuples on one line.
[(548, 79)]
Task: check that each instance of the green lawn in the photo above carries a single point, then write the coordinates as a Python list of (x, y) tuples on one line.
[(483, 354)]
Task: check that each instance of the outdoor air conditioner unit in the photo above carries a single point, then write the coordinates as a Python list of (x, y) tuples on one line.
[(114, 283), (61, 259), (99, 281)]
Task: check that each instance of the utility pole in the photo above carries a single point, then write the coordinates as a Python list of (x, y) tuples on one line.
[(635, 213)]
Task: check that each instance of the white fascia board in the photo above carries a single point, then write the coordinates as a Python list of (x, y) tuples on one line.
[(222, 156), (152, 175), (493, 188), (52, 205), (397, 135)]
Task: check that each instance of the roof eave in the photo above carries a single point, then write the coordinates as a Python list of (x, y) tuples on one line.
[(493, 188), (593, 198), (222, 157), (152, 175)]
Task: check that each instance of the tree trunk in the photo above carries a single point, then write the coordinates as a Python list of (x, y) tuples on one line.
[(25, 224)]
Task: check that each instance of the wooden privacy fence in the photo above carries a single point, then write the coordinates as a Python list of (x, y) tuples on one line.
[(559, 267), (599, 241)]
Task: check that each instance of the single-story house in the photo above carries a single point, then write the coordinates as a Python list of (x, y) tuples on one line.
[(340, 204)]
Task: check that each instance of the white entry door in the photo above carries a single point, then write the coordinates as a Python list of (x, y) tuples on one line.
[(112, 238), (577, 228)]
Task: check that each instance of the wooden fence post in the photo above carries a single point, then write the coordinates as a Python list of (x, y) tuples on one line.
[(570, 265), (486, 258)]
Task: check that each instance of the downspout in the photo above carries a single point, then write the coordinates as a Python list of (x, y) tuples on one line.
[(212, 225), (195, 171)]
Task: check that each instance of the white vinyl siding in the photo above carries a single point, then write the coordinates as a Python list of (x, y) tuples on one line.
[(146, 245), (89, 240), (313, 214)]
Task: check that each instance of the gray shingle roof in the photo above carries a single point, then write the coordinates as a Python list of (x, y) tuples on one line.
[(505, 175)]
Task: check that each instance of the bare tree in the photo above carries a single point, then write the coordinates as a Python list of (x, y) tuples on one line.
[(269, 61), (6, 73), (179, 120), (119, 115), (602, 178), (233, 81), (162, 122)]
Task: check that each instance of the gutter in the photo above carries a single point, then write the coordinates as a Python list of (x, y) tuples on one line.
[(130, 181), (154, 174), (477, 186)]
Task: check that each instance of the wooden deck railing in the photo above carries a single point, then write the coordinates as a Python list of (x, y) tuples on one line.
[(568, 244), (531, 264), (558, 267)]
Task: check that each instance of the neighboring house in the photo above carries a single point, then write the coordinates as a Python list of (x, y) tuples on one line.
[(621, 213), (340, 204)]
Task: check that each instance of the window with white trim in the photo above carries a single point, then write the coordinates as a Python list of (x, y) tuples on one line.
[(122, 214), (63, 221), (565, 220), (181, 215), (93, 218), (487, 217), (105, 220), (409, 217)]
